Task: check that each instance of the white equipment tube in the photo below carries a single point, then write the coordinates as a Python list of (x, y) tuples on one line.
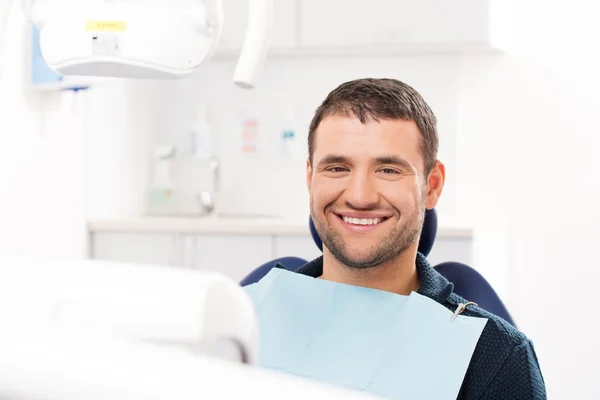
[(256, 43)]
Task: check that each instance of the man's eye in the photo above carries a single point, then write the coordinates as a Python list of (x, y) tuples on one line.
[(336, 169), (389, 171)]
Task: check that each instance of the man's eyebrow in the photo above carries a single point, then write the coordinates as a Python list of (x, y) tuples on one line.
[(388, 160), (333, 159), (394, 160)]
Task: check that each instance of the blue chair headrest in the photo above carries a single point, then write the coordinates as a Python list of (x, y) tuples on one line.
[(425, 242)]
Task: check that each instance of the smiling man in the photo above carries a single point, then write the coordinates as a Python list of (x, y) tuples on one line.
[(371, 175), (372, 172), (371, 313)]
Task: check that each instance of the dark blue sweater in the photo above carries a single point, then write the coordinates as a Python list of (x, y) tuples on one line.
[(504, 365)]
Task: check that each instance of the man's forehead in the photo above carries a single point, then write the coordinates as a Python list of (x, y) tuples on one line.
[(351, 124), (346, 132), (347, 137)]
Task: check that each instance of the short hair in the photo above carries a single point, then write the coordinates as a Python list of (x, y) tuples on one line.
[(372, 99)]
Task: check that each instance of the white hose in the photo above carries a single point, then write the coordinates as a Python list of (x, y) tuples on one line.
[(256, 44)]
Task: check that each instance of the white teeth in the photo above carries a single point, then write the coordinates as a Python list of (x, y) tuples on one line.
[(362, 221)]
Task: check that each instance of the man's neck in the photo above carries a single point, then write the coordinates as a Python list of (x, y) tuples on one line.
[(398, 276)]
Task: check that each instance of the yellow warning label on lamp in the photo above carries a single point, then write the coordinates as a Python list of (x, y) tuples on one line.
[(106, 26)]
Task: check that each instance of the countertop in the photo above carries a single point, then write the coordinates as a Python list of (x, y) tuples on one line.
[(229, 225)]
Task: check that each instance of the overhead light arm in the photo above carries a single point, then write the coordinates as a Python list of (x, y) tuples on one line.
[(256, 43)]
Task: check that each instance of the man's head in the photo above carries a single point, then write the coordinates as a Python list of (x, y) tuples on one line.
[(372, 170)]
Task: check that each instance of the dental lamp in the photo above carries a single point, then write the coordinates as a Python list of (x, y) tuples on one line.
[(98, 330), (153, 39)]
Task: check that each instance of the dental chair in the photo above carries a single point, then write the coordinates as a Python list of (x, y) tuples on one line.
[(468, 283)]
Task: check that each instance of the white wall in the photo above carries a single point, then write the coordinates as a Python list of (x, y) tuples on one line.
[(556, 221), (41, 161), (66, 158), (529, 129), (122, 124)]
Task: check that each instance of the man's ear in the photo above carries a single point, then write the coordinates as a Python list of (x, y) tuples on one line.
[(435, 184), (308, 174)]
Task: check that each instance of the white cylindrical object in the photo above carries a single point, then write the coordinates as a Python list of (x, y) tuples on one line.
[(256, 43), (38, 361), (184, 308)]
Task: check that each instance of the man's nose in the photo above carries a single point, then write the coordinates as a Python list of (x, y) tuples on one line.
[(361, 193)]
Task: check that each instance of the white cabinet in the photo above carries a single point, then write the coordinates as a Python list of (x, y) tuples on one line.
[(380, 26), (140, 248), (400, 24), (232, 255), (283, 35), (235, 255)]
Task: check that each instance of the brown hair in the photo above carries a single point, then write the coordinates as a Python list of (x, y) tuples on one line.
[(374, 99)]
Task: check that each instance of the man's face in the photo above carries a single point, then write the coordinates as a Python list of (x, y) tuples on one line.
[(367, 190)]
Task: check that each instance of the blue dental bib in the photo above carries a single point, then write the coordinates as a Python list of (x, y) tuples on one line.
[(398, 347)]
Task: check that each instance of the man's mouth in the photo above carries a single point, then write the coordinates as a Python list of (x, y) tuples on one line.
[(362, 221)]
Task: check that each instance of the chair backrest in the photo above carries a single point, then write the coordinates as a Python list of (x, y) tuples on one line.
[(468, 283), (290, 263), (471, 285)]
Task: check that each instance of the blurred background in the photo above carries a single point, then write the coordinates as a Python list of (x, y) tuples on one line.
[(199, 173)]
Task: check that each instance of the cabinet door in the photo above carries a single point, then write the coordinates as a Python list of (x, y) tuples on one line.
[(403, 23), (160, 249), (283, 34), (233, 256)]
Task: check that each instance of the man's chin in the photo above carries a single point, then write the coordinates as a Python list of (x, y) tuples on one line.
[(358, 261), (369, 241)]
